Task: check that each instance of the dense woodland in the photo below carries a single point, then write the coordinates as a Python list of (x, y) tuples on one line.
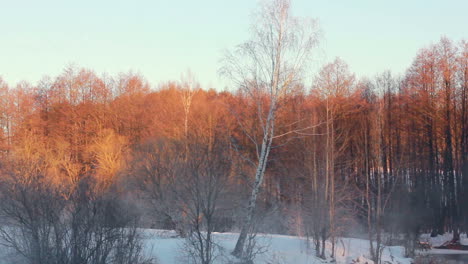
[(388, 152), (385, 156)]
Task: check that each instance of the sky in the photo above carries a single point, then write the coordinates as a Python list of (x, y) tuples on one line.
[(162, 39)]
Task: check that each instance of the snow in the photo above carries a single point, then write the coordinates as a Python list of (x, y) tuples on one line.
[(441, 239), (168, 248)]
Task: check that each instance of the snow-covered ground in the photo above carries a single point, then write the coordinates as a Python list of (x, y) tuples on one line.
[(441, 239), (168, 249)]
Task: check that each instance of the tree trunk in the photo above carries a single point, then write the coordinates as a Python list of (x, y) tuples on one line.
[(260, 172)]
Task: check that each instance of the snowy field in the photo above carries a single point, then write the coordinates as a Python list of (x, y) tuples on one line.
[(168, 249)]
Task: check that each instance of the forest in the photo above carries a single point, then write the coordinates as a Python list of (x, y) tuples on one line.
[(86, 159)]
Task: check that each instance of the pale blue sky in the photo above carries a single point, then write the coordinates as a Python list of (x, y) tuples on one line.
[(162, 39)]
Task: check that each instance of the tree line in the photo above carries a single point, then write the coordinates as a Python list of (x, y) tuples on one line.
[(387, 154)]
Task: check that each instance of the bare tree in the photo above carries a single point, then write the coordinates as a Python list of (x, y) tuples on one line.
[(189, 88), (200, 189), (42, 225), (48, 221), (266, 68), (153, 169), (334, 82), (379, 187)]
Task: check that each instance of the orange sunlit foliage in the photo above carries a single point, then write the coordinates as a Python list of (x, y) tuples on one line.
[(80, 124)]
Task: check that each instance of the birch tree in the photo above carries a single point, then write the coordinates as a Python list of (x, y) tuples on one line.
[(188, 89), (266, 68)]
